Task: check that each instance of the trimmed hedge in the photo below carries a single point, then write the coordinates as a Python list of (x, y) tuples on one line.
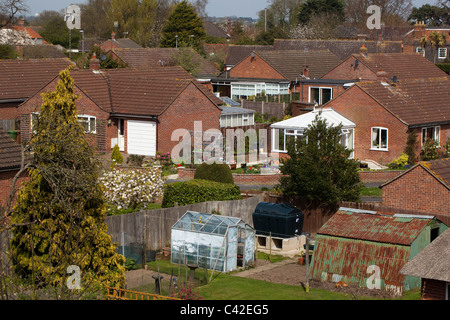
[(197, 190), (214, 172)]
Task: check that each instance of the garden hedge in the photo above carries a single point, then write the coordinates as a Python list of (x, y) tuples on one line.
[(197, 190), (444, 67), (214, 172)]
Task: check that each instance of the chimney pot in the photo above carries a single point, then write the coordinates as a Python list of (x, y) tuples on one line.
[(382, 75), (94, 63), (363, 50), (113, 36), (305, 71)]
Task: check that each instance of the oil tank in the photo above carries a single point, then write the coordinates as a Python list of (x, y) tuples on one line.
[(277, 219)]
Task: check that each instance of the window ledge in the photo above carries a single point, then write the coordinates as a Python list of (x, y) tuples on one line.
[(375, 149)]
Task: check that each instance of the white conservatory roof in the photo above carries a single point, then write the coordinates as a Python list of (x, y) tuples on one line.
[(302, 122)]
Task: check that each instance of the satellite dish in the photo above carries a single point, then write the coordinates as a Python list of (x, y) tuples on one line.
[(103, 57), (73, 17), (394, 79), (356, 63)]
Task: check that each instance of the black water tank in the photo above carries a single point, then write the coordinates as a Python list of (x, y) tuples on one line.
[(280, 220)]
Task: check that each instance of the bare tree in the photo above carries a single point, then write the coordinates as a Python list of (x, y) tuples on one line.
[(9, 9)]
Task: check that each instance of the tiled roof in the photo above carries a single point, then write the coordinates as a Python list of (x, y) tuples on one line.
[(20, 79), (440, 169), (152, 57), (10, 152), (214, 30), (374, 227), (290, 62), (129, 91), (404, 66), (30, 31), (237, 53), (341, 48), (416, 101), (124, 43)]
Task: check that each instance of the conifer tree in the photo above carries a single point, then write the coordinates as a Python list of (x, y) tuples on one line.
[(183, 28), (59, 218), (319, 167)]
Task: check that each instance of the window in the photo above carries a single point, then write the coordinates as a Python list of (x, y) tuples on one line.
[(320, 95), (379, 139), (421, 51), (442, 53), (34, 120), (431, 133), (284, 138), (88, 123)]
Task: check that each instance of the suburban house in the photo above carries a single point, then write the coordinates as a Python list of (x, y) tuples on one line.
[(369, 249), (386, 111), (412, 42), (137, 109), (431, 265), (123, 43), (20, 80), (237, 53), (10, 164), (404, 191), (273, 72)]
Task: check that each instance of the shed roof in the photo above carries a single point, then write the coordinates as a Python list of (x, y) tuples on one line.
[(433, 261), (375, 227), (236, 110), (332, 117)]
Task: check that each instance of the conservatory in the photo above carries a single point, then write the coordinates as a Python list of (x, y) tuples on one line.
[(213, 241), (292, 129)]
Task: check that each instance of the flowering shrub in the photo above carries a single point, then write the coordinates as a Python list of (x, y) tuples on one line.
[(185, 291), (130, 188)]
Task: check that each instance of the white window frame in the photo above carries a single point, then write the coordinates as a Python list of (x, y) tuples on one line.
[(89, 117), (437, 134), (442, 53), (379, 148), (286, 132), (320, 94), (31, 121), (420, 50)]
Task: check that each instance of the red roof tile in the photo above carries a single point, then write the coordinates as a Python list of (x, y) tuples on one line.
[(20, 79)]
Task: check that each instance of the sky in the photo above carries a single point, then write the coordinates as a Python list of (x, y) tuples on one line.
[(215, 8)]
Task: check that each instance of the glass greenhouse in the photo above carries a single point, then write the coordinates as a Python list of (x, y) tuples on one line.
[(218, 242)]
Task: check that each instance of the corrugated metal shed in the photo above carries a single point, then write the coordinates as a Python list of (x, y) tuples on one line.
[(352, 241), (374, 227)]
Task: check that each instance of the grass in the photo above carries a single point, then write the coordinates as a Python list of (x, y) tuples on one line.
[(225, 286)]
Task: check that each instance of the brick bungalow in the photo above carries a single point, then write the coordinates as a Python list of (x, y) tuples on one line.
[(10, 164), (21, 79), (431, 265), (276, 72), (385, 111), (423, 188), (137, 109)]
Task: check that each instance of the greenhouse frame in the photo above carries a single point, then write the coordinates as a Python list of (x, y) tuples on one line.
[(212, 241)]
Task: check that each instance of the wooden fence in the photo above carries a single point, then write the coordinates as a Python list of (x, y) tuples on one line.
[(272, 109), (122, 294)]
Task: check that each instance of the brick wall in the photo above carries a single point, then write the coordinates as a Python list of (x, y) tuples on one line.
[(191, 105), (5, 184), (85, 106), (9, 110), (433, 289), (417, 190), (254, 68), (366, 113)]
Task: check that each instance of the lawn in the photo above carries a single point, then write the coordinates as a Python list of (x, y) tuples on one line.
[(225, 286)]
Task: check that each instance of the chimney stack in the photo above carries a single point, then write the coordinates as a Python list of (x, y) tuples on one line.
[(305, 71), (113, 36), (363, 51), (229, 27), (94, 63), (419, 29)]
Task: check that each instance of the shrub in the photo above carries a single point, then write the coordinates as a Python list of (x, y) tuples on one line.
[(135, 160), (400, 162), (196, 191), (116, 156), (214, 172), (130, 188), (185, 291)]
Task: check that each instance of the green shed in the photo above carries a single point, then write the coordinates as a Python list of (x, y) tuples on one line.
[(368, 249)]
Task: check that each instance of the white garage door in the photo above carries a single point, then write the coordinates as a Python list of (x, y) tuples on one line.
[(141, 138)]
